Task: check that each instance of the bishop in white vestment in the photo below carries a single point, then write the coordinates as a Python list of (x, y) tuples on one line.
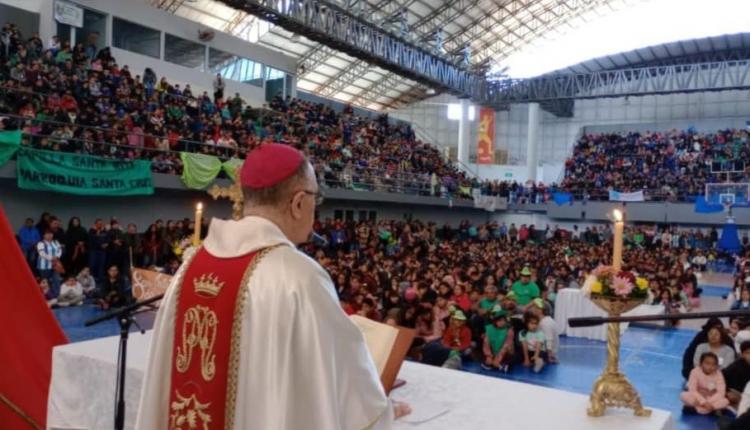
[(287, 357)]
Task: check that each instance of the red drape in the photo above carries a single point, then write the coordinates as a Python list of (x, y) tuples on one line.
[(28, 332)]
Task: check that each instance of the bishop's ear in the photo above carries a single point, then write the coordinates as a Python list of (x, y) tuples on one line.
[(296, 206)]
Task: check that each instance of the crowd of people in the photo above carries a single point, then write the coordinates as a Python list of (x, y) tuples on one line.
[(474, 293), (482, 292), (77, 264), (79, 99), (673, 165)]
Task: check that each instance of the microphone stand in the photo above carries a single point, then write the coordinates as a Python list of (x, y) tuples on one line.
[(125, 318), (592, 321)]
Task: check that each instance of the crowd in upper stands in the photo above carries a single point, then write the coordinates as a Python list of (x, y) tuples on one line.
[(79, 99), (673, 165)]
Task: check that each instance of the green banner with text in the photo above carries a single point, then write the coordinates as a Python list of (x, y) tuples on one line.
[(82, 174)]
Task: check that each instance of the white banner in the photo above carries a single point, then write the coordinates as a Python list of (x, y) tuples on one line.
[(616, 196), (68, 13), (489, 203)]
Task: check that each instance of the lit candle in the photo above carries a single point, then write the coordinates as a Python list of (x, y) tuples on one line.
[(617, 251), (198, 221)]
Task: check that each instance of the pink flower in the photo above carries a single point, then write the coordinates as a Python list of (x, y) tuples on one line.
[(622, 286)]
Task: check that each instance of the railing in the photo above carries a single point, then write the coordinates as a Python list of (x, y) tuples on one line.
[(353, 178)]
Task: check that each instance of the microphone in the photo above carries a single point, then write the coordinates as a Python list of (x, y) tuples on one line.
[(593, 321), (318, 240), (586, 321)]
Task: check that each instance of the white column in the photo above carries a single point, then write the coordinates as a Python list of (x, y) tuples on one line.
[(463, 134), (532, 142)]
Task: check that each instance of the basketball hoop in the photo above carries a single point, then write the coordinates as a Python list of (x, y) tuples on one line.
[(727, 194)]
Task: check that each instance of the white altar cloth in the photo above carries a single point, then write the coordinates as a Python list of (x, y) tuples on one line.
[(83, 383), (571, 303)]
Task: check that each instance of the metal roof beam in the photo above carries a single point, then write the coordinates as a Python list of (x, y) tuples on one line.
[(652, 80)]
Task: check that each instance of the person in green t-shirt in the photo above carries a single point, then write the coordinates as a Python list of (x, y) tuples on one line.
[(498, 341), (489, 301), (525, 289)]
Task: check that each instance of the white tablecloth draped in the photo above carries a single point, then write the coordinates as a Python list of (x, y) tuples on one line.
[(571, 302), (83, 382)]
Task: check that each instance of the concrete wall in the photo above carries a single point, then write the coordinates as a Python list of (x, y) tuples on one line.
[(671, 213), (173, 201)]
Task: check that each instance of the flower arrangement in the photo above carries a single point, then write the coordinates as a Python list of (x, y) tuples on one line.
[(605, 282)]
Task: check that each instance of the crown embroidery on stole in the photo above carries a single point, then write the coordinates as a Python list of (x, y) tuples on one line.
[(208, 285)]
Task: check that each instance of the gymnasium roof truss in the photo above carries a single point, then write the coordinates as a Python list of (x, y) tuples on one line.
[(330, 24), (492, 29), (357, 51), (556, 92)]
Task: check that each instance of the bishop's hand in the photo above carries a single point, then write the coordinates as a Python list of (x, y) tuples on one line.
[(401, 409)]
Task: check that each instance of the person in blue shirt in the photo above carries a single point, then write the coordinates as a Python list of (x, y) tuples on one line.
[(744, 302), (28, 236)]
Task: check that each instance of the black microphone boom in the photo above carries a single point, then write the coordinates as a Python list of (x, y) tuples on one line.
[(114, 313), (592, 321)]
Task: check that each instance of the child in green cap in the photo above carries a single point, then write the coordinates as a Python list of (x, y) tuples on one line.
[(498, 341)]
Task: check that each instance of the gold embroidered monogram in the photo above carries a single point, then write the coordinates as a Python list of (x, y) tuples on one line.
[(208, 285), (198, 330), (188, 414)]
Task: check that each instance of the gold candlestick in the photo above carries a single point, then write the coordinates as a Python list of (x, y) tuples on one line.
[(612, 388), (198, 224), (617, 248)]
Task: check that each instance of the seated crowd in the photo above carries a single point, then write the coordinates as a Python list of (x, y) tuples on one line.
[(473, 292), (673, 165), (79, 99), (716, 364)]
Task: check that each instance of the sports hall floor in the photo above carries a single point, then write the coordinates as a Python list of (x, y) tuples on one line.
[(650, 356)]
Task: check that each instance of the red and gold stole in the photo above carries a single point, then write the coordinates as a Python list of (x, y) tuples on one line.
[(210, 300)]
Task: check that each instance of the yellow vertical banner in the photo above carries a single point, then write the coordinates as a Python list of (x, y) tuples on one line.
[(486, 137)]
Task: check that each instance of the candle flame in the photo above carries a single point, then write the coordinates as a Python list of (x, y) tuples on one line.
[(199, 206), (618, 215)]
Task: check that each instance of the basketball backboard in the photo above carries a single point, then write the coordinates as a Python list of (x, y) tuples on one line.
[(728, 194)]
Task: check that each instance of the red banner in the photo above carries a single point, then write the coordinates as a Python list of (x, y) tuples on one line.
[(486, 137), (29, 332)]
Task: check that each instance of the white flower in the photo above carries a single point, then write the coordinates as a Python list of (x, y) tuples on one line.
[(586, 288)]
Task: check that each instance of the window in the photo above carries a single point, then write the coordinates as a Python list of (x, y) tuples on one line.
[(136, 38), (184, 52), (454, 112), (93, 31), (274, 83), (273, 74), (234, 67)]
